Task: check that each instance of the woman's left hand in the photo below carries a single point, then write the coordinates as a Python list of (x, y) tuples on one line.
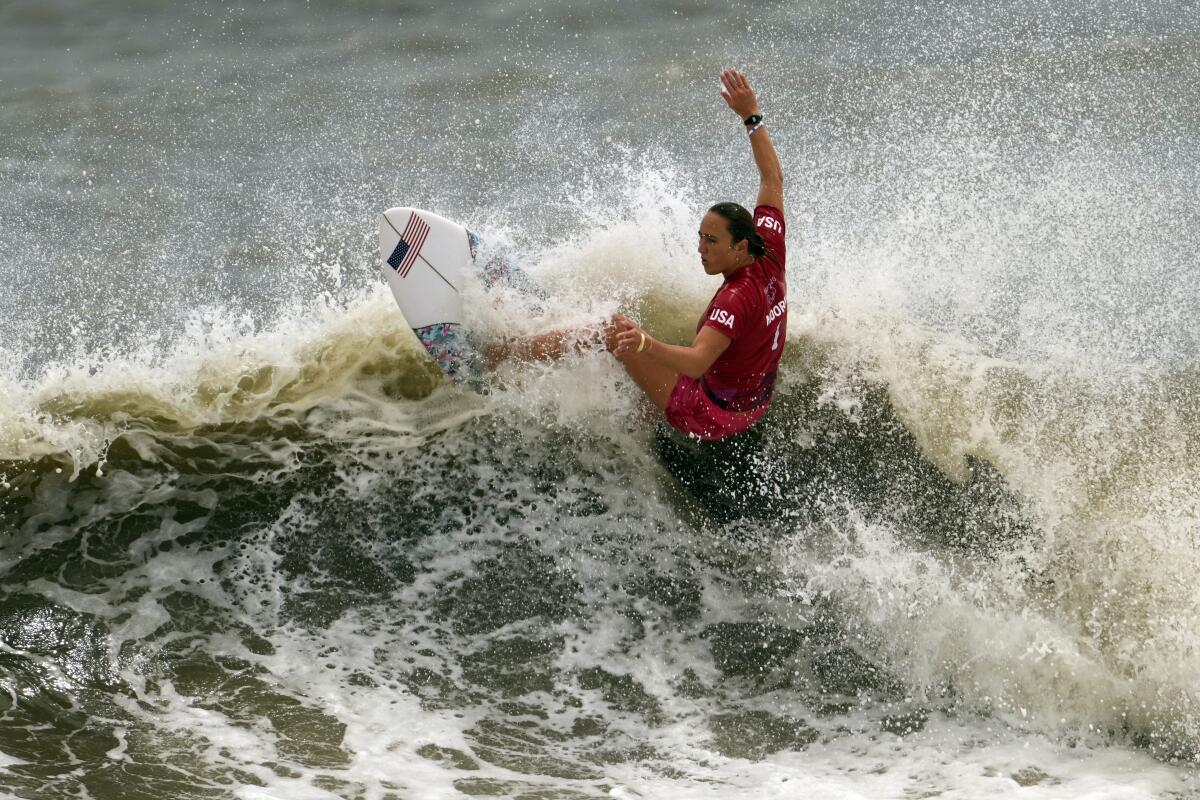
[(738, 94)]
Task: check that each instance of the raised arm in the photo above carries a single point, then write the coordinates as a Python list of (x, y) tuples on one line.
[(738, 95)]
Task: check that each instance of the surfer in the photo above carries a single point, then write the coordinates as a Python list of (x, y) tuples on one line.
[(721, 384)]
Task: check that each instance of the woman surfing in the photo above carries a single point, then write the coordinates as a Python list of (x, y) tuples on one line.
[(722, 383)]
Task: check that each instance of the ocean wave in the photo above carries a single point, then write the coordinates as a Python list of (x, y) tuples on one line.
[(1018, 536), (1079, 620), (216, 375), (1079, 445)]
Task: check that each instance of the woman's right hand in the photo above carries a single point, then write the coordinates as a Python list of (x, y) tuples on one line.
[(624, 337)]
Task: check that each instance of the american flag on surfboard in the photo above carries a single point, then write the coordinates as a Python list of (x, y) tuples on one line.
[(409, 246)]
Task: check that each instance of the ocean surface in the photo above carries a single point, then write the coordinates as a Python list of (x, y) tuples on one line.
[(253, 545)]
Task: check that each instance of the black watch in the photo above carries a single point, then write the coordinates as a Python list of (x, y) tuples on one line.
[(753, 119)]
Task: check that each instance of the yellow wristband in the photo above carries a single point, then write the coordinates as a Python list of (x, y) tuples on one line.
[(642, 344)]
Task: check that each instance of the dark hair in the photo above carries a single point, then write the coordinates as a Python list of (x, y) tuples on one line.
[(740, 223)]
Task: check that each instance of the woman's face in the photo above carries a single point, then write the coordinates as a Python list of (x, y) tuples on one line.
[(718, 253)]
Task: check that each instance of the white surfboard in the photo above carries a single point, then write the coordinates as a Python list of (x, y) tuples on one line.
[(426, 260)]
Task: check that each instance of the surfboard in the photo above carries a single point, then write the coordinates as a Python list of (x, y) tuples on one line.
[(427, 260)]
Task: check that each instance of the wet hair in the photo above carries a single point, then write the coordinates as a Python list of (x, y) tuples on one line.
[(740, 224)]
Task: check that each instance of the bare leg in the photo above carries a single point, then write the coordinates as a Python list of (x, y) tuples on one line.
[(653, 378), (549, 346)]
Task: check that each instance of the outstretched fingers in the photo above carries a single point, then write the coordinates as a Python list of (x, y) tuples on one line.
[(729, 84), (734, 80), (737, 92)]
